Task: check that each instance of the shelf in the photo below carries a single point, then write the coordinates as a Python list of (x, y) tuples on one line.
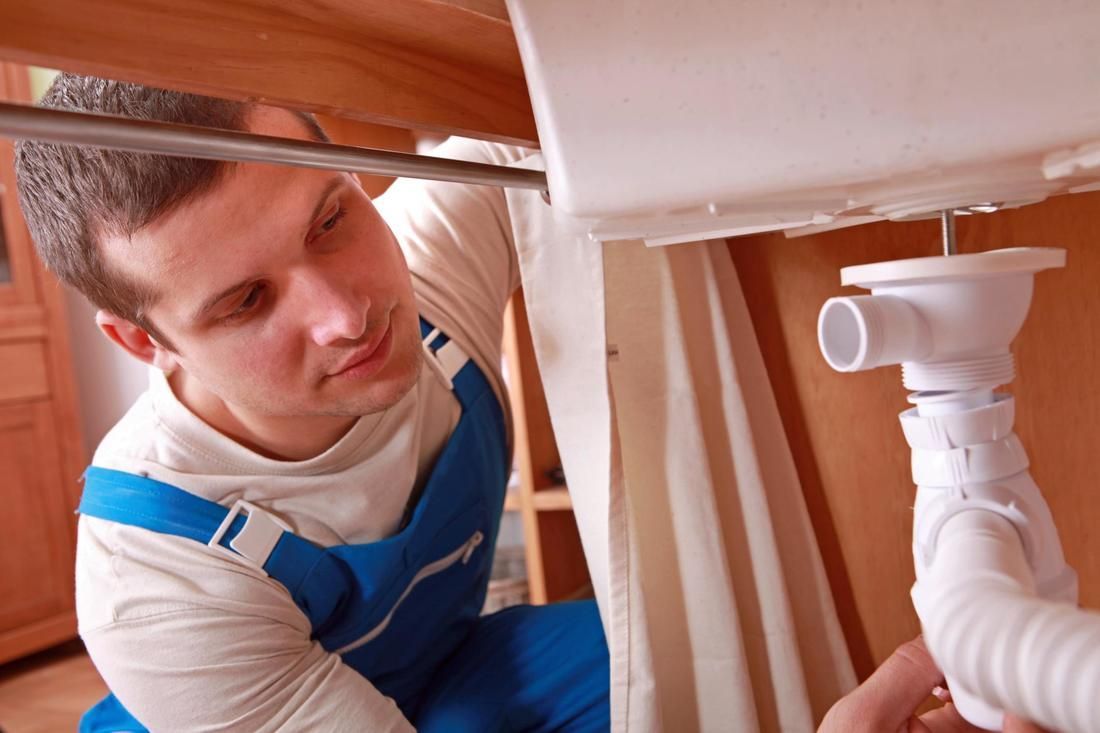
[(552, 499)]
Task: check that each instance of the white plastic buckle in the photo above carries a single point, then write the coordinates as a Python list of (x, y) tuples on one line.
[(451, 359), (446, 361), (432, 336), (258, 537)]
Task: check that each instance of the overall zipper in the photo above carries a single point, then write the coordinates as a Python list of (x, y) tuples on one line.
[(461, 554)]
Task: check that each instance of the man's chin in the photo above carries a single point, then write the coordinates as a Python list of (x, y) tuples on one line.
[(393, 390)]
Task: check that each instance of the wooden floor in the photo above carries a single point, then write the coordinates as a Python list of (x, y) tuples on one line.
[(47, 693)]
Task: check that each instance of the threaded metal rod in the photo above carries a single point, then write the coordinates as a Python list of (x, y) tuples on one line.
[(947, 221), (145, 136)]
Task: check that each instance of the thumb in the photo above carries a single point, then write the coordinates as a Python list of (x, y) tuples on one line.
[(901, 684)]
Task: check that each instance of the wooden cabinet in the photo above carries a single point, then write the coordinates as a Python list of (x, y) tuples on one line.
[(40, 446)]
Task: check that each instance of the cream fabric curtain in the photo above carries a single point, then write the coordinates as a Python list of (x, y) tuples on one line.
[(712, 590)]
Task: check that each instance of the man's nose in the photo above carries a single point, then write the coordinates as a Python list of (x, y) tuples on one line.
[(336, 312)]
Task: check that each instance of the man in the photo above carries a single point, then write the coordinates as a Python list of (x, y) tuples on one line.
[(292, 529)]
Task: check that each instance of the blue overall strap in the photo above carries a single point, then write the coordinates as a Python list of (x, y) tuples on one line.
[(244, 531)]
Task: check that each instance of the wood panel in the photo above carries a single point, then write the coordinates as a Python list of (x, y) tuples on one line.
[(23, 371), (417, 63), (36, 577), (843, 429)]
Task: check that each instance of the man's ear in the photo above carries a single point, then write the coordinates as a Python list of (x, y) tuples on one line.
[(136, 341)]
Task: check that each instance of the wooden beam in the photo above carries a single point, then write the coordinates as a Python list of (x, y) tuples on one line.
[(416, 63)]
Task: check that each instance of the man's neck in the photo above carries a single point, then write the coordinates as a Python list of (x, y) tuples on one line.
[(280, 438)]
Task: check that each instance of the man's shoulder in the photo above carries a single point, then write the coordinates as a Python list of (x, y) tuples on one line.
[(133, 436)]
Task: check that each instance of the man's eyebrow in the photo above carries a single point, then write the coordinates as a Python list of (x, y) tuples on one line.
[(213, 300)]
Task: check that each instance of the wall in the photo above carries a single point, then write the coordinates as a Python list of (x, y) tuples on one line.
[(108, 380), (848, 446)]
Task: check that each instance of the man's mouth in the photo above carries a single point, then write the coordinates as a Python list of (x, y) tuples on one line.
[(367, 359)]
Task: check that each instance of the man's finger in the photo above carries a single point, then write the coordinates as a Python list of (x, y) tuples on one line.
[(903, 682), (916, 726)]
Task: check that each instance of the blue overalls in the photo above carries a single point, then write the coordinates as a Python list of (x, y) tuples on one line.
[(403, 611)]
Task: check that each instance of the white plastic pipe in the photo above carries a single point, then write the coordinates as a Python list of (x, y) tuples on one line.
[(996, 640), (949, 321), (967, 462), (868, 331), (995, 597)]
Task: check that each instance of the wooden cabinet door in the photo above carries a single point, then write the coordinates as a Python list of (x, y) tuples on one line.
[(36, 576), (41, 453)]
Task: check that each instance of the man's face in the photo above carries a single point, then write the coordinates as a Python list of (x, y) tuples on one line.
[(282, 290)]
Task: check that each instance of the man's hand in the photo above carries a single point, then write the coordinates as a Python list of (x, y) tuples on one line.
[(888, 700)]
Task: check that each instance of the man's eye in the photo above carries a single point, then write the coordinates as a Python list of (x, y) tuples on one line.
[(249, 302), (330, 223)]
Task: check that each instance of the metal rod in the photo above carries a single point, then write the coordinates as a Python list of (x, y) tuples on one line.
[(947, 222), (145, 136)]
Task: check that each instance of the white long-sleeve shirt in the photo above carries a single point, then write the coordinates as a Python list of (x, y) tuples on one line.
[(193, 640)]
